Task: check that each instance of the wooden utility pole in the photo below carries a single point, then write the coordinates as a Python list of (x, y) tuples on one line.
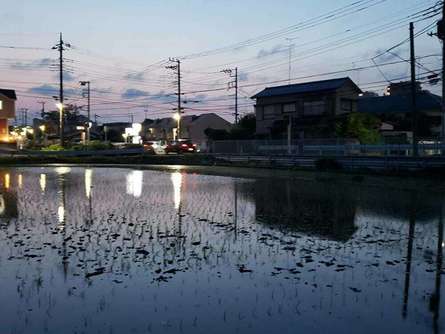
[(413, 92), (178, 116), (61, 46), (234, 84), (441, 35)]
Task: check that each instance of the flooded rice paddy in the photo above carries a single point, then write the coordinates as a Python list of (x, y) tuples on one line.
[(97, 250)]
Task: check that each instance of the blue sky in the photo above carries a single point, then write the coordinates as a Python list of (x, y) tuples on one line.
[(114, 41)]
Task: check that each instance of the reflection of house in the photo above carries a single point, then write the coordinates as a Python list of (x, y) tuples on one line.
[(7, 111), (396, 109), (311, 208), (191, 127), (311, 108)]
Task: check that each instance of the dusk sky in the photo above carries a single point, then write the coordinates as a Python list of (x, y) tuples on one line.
[(122, 47)]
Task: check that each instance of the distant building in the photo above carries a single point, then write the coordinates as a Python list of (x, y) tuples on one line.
[(396, 110), (114, 131), (191, 127), (402, 88), (311, 108), (7, 111)]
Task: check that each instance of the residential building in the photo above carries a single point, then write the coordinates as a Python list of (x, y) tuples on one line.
[(7, 112), (308, 110), (396, 110), (191, 127)]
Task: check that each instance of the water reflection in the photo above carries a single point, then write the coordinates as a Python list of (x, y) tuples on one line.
[(42, 182), (135, 183), (320, 256), (176, 178)]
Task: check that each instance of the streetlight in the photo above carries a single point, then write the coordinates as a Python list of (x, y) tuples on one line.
[(177, 117), (60, 106), (42, 129), (87, 83)]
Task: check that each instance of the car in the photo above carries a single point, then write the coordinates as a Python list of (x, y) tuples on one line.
[(149, 147), (180, 146)]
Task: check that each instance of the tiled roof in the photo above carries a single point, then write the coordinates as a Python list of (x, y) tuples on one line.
[(8, 93), (306, 87)]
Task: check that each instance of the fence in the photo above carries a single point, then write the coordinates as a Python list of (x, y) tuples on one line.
[(340, 147)]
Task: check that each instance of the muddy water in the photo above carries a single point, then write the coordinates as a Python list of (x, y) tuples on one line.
[(130, 251)]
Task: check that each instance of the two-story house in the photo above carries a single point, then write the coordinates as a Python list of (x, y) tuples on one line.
[(7, 111), (309, 109)]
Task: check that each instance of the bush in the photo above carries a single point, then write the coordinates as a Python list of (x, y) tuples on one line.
[(98, 145), (327, 164), (53, 147)]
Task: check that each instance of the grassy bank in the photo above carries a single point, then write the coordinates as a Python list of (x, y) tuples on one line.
[(196, 160)]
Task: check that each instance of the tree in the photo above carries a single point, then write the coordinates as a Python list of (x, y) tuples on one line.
[(245, 129), (364, 127)]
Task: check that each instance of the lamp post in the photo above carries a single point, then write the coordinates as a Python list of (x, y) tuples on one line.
[(42, 129), (60, 107), (87, 83), (177, 117)]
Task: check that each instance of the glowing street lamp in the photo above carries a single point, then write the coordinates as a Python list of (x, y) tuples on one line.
[(60, 106)]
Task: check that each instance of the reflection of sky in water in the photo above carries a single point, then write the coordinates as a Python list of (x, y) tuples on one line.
[(198, 254)]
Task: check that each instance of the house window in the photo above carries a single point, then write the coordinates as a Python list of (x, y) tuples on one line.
[(289, 108), (269, 112), (346, 104), (314, 108)]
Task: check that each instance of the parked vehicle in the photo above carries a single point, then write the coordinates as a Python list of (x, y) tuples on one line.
[(148, 147), (180, 146)]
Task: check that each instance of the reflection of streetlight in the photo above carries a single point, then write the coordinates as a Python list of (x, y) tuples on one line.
[(88, 182), (177, 117), (7, 180), (135, 181), (176, 178), (43, 182)]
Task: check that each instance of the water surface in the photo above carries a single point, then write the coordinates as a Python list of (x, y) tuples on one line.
[(97, 250)]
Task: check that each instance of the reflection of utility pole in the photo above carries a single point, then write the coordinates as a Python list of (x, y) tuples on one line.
[(435, 298), (409, 255), (235, 213)]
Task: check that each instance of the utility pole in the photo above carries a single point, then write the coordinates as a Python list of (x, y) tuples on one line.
[(413, 91), (23, 116), (42, 112), (441, 35), (179, 109), (87, 83), (233, 84), (60, 47)]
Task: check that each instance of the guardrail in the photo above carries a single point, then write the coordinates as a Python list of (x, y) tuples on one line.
[(301, 148), (351, 162)]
